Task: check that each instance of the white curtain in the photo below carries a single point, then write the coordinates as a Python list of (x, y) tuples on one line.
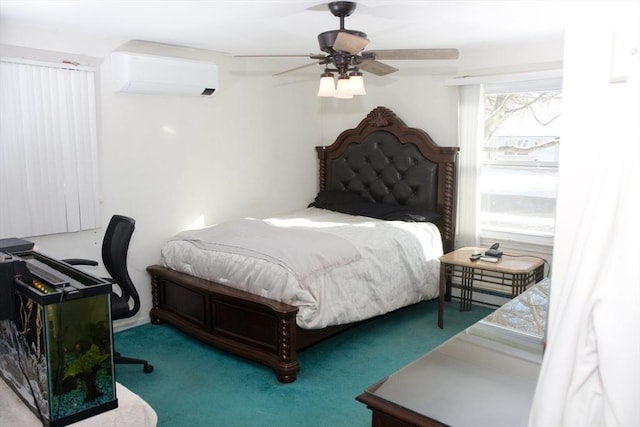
[(471, 128), (48, 149), (591, 368)]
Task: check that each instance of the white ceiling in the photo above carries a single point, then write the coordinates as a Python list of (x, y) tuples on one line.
[(247, 27)]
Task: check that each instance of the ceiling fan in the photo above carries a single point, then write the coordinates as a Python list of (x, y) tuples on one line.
[(344, 54), (343, 49)]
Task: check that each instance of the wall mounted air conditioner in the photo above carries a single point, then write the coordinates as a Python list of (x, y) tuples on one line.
[(141, 73)]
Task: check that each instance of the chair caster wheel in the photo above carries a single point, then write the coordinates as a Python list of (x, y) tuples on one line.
[(147, 369)]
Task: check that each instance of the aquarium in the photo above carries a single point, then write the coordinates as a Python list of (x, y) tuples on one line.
[(56, 352)]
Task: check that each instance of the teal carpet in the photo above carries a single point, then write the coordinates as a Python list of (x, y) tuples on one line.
[(195, 385)]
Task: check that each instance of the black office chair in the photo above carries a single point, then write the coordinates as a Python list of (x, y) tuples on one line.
[(125, 301)]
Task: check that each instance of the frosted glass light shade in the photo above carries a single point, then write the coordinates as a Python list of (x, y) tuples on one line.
[(356, 85), (327, 87), (343, 90)]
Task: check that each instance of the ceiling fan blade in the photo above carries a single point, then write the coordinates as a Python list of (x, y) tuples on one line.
[(274, 56), (350, 43), (295, 68), (419, 54), (376, 67), (323, 7)]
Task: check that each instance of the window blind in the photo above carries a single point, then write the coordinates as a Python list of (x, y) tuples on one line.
[(48, 149)]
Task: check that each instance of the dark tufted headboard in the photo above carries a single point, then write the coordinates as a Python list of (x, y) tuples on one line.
[(387, 162)]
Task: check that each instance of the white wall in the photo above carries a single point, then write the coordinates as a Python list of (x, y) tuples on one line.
[(248, 150), (168, 161)]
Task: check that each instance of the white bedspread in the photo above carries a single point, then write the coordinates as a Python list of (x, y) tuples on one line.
[(255, 239), (397, 265)]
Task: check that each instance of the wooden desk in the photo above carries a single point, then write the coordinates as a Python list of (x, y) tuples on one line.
[(515, 273), (468, 381), (483, 376)]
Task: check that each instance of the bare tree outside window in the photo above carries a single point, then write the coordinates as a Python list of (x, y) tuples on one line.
[(519, 163)]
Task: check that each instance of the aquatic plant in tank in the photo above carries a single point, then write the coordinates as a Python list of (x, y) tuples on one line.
[(80, 349)]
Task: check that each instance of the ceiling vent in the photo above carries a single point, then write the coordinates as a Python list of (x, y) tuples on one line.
[(141, 73)]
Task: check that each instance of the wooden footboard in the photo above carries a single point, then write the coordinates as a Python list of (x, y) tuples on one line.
[(244, 324)]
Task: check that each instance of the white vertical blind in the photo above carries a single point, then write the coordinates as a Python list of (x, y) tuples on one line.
[(471, 127), (48, 149)]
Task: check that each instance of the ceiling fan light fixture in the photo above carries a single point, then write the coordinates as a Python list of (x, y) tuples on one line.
[(343, 89), (356, 83), (327, 85)]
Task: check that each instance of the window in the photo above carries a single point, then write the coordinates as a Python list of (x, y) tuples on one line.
[(518, 165), (509, 135), (48, 149)]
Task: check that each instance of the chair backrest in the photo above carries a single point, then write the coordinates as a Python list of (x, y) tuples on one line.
[(115, 247)]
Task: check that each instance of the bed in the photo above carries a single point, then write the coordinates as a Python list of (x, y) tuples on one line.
[(381, 175)]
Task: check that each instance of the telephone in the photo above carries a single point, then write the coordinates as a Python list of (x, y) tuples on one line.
[(493, 251)]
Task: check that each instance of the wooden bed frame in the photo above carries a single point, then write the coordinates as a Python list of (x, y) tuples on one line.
[(265, 330)]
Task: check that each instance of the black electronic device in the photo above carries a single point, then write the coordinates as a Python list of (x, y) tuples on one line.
[(13, 244), (7, 287), (493, 251), (475, 256)]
